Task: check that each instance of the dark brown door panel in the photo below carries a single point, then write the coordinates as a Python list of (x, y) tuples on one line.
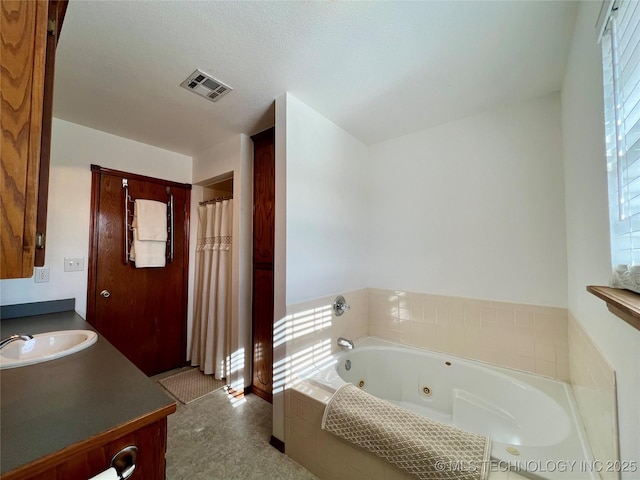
[(141, 311)]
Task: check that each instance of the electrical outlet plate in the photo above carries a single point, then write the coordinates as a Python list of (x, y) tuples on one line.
[(73, 264), (41, 275)]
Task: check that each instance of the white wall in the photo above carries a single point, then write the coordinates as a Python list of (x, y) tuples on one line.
[(320, 222), (73, 149), (588, 224), (280, 260), (232, 156), (473, 208), (326, 205)]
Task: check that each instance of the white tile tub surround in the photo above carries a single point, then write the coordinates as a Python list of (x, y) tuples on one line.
[(535, 339), (306, 336), (525, 337), (594, 387), (311, 329), (328, 456)]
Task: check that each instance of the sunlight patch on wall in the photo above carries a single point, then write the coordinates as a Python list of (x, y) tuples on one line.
[(299, 324), (306, 335)]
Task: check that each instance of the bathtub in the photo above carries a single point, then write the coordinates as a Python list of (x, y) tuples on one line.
[(532, 421)]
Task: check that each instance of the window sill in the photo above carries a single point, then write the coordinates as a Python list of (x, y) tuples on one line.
[(623, 303)]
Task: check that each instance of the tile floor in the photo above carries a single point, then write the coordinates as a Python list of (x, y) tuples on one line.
[(212, 439)]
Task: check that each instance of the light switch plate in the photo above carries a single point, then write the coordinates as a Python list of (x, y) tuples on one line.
[(41, 275), (73, 264)]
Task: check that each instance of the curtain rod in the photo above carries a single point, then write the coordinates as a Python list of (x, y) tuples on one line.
[(217, 199)]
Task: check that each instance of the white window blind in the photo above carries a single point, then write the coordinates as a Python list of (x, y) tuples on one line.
[(621, 69)]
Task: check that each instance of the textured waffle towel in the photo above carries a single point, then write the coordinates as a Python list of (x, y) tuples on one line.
[(420, 446)]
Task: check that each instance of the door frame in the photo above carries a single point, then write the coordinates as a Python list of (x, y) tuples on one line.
[(96, 174)]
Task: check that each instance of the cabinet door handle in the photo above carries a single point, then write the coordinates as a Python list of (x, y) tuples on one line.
[(125, 461), (105, 293), (123, 464), (40, 240)]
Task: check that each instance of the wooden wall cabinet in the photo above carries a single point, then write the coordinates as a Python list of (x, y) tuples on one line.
[(29, 36), (263, 262)]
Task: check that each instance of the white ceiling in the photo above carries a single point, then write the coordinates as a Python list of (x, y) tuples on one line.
[(377, 69)]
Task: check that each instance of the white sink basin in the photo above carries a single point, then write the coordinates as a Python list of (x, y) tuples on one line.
[(45, 346)]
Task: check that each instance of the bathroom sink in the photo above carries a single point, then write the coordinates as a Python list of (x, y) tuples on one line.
[(45, 346)]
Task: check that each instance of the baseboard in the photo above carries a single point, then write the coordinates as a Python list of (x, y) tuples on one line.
[(277, 444), (267, 397)]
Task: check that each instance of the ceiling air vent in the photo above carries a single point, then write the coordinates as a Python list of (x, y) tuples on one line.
[(206, 86)]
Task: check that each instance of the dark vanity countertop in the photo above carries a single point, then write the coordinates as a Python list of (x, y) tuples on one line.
[(49, 406)]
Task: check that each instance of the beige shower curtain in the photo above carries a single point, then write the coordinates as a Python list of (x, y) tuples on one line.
[(211, 328)]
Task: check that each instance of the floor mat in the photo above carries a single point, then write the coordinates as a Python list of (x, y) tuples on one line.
[(191, 385)]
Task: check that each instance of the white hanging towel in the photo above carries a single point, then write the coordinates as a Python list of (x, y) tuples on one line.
[(109, 474), (151, 220), (149, 246), (147, 253)]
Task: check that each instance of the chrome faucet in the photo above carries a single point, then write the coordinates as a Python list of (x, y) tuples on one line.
[(13, 338), (345, 343), (340, 305)]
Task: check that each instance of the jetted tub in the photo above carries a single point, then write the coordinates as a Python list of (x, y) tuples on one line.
[(532, 421)]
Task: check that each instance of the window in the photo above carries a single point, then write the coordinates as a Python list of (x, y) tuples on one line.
[(621, 70)]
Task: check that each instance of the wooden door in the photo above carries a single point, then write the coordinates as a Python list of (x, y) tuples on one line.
[(141, 311), (263, 245)]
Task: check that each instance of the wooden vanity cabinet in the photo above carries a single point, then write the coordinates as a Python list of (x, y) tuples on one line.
[(30, 31), (67, 418), (94, 456)]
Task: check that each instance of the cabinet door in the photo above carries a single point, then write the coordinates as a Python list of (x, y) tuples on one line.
[(263, 251), (57, 10), (89, 458), (22, 54)]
